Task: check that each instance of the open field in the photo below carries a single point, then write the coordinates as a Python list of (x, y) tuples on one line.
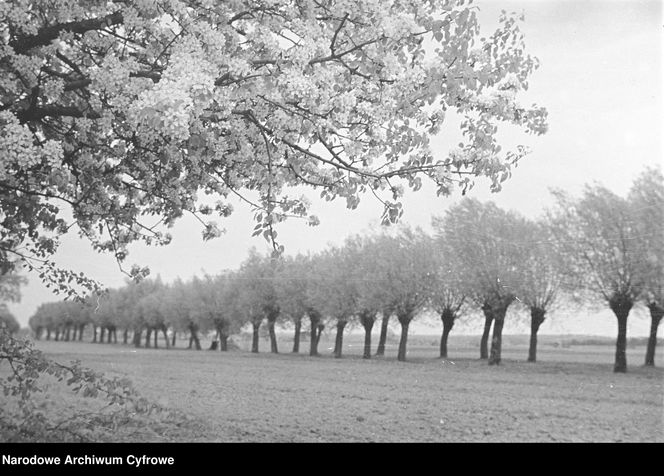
[(570, 395)]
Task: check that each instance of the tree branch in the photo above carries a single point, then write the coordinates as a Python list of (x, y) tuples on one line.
[(45, 35), (49, 110)]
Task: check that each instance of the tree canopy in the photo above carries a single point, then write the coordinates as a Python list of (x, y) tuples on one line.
[(116, 115)]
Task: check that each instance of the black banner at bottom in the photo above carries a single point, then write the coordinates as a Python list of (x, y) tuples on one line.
[(171, 458)]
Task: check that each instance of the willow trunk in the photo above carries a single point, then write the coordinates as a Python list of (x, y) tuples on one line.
[(223, 341), (496, 340), (255, 336), (339, 340), (383, 334), (137, 336), (273, 336), (536, 319), (656, 314), (367, 323), (165, 334), (447, 316), (296, 337), (313, 347), (403, 340), (193, 330), (621, 305), (488, 320)]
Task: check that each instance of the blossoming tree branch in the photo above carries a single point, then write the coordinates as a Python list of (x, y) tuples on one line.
[(118, 114)]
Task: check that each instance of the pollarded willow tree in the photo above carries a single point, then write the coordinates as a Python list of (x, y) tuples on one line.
[(181, 310), (381, 270), (542, 276), (366, 260), (258, 295), (647, 198), (336, 292), (210, 297), (123, 301), (406, 277), (291, 284), (449, 292), (313, 294), (105, 314), (40, 323), (126, 304), (600, 236), (487, 242), (78, 318), (119, 112), (155, 311)]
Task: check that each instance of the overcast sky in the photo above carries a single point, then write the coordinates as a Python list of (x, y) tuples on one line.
[(600, 79)]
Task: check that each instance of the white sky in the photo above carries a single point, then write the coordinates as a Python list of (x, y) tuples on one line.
[(600, 79)]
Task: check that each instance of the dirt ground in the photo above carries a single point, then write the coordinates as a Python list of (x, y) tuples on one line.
[(570, 395)]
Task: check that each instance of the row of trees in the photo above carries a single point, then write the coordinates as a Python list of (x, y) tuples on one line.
[(479, 257)]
